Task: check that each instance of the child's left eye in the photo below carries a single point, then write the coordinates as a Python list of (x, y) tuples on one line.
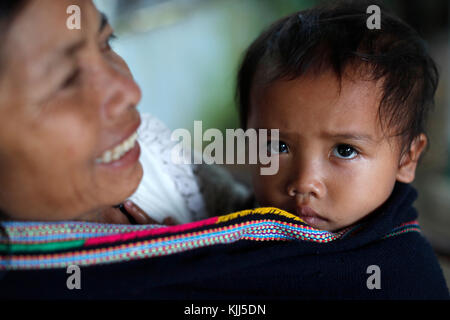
[(345, 151)]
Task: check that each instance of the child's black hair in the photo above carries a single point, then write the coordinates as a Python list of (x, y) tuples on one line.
[(335, 36)]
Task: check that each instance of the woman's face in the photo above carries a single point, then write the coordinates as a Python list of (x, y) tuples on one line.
[(65, 99)]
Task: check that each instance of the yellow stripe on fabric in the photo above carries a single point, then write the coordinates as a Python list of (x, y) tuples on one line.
[(263, 210)]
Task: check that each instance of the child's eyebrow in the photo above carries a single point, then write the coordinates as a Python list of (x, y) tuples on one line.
[(356, 136), (351, 136)]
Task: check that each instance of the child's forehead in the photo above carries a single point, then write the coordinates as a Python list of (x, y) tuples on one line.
[(319, 93), (352, 81), (319, 103)]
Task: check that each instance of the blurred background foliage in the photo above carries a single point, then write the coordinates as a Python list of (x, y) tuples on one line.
[(185, 55)]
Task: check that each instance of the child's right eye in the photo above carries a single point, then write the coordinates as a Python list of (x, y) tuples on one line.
[(276, 147)]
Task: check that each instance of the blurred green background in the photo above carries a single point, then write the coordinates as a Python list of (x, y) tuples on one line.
[(185, 55)]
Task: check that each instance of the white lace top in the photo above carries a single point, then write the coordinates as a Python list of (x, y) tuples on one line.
[(184, 192)]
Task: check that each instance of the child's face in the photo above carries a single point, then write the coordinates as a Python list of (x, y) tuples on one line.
[(334, 158)]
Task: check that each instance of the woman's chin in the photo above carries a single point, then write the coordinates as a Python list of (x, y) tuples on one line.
[(121, 177), (124, 188)]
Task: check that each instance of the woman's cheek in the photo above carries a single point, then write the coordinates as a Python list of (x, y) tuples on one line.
[(76, 137)]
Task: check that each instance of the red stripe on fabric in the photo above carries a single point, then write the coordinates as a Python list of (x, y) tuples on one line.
[(409, 223), (151, 232)]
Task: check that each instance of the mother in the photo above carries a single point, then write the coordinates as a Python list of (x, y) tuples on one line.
[(65, 99)]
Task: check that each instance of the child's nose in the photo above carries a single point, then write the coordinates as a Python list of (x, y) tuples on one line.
[(306, 181)]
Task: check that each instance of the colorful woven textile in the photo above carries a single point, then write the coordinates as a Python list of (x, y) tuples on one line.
[(37, 245), (262, 253)]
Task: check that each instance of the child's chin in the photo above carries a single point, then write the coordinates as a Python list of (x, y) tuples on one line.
[(329, 229), (325, 226)]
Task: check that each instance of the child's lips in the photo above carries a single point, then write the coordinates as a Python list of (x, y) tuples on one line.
[(310, 216)]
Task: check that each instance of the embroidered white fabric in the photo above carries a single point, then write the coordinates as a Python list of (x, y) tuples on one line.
[(185, 192), (167, 189)]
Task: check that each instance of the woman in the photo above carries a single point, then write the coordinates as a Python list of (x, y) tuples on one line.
[(66, 98), (68, 144)]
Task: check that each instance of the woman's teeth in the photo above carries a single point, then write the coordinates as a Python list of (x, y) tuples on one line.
[(118, 151)]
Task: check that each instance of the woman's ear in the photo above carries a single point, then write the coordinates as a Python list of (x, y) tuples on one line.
[(408, 163)]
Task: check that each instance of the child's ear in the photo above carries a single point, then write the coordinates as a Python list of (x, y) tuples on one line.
[(408, 163)]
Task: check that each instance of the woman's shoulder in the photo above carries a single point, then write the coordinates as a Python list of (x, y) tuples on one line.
[(167, 188), (153, 132)]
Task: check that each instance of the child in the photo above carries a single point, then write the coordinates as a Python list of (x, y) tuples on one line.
[(350, 104)]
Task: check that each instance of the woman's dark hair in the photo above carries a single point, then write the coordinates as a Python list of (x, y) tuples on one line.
[(336, 37), (8, 10)]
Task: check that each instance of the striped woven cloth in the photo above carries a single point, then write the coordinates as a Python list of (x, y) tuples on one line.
[(38, 245)]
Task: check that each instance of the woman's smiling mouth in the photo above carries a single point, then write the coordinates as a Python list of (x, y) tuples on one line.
[(123, 153), (118, 151)]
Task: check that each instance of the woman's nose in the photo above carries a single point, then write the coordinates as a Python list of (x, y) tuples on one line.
[(306, 181), (122, 92)]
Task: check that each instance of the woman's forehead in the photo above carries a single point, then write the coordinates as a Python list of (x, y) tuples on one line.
[(40, 33)]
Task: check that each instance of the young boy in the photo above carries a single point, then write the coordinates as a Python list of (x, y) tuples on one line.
[(350, 104)]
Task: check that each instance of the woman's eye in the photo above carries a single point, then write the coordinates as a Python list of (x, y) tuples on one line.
[(276, 147), (71, 79), (107, 45), (345, 151)]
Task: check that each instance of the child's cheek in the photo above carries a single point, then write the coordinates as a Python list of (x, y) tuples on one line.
[(269, 189), (361, 190)]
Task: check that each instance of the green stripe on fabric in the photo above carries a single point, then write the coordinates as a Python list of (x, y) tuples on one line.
[(53, 246)]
